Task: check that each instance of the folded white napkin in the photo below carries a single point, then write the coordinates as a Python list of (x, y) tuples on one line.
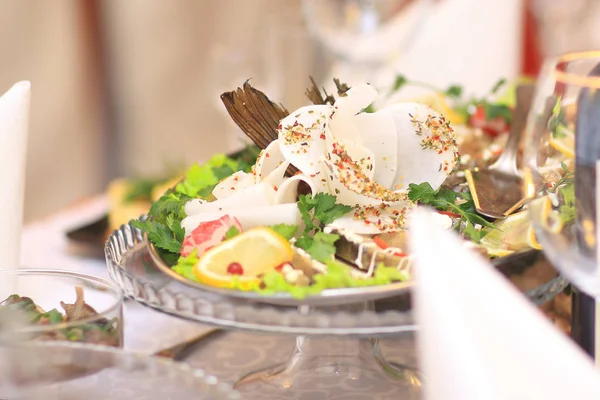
[(14, 128), (479, 337)]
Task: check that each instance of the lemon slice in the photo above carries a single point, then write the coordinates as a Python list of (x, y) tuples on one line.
[(242, 258), (565, 142)]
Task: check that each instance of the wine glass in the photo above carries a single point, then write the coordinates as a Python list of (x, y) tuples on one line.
[(561, 158), (235, 60), (365, 35)]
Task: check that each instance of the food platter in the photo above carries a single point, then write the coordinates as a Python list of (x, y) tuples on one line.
[(328, 297), (316, 216), (134, 271), (511, 265)]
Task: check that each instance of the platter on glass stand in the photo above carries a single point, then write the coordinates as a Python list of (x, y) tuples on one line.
[(337, 345)]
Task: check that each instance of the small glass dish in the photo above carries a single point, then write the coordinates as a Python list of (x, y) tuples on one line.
[(61, 305)]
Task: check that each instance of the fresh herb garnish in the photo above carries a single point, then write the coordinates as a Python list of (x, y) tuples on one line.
[(53, 316), (185, 266), (318, 211), (473, 233), (163, 224), (231, 233), (567, 179), (337, 276), (556, 124), (567, 209), (456, 202), (286, 231), (491, 109)]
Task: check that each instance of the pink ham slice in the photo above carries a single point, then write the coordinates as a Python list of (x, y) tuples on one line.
[(208, 234)]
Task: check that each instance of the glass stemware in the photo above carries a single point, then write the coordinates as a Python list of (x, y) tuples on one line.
[(561, 158), (365, 35)]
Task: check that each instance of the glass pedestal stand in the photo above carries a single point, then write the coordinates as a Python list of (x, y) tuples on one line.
[(324, 363), (337, 350)]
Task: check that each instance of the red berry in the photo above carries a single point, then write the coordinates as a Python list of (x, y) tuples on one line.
[(279, 268), (235, 268)]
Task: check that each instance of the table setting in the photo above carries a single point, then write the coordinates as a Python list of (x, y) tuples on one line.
[(385, 239)]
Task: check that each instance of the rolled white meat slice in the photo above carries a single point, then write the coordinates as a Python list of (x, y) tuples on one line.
[(233, 184), (378, 132), (249, 217), (303, 136), (342, 122), (427, 149), (288, 191), (369, 223), (261, 194), (269, 160), (357, 98)]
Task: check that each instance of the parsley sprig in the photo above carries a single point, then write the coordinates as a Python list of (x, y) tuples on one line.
[(163, 224), (448, 200), (318, 211)]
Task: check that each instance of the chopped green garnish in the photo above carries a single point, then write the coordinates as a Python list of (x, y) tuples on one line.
[(473, 233), (498, 85), (493, 111), (321, 246), (454, 91), (53, 316), (399, 83), (447, 200), (185, 266), (231, 233), (318, 211), (337, 276), (286, 231), (163, 224), (321, 209), (567, 210), (557, 116)]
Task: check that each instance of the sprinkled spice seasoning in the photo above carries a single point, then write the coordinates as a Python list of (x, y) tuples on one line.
[(351, 175), (437, 135)]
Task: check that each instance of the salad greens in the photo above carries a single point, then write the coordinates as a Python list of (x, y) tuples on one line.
[(318, 211), (338, 276), (163, 224), (452, 202)]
